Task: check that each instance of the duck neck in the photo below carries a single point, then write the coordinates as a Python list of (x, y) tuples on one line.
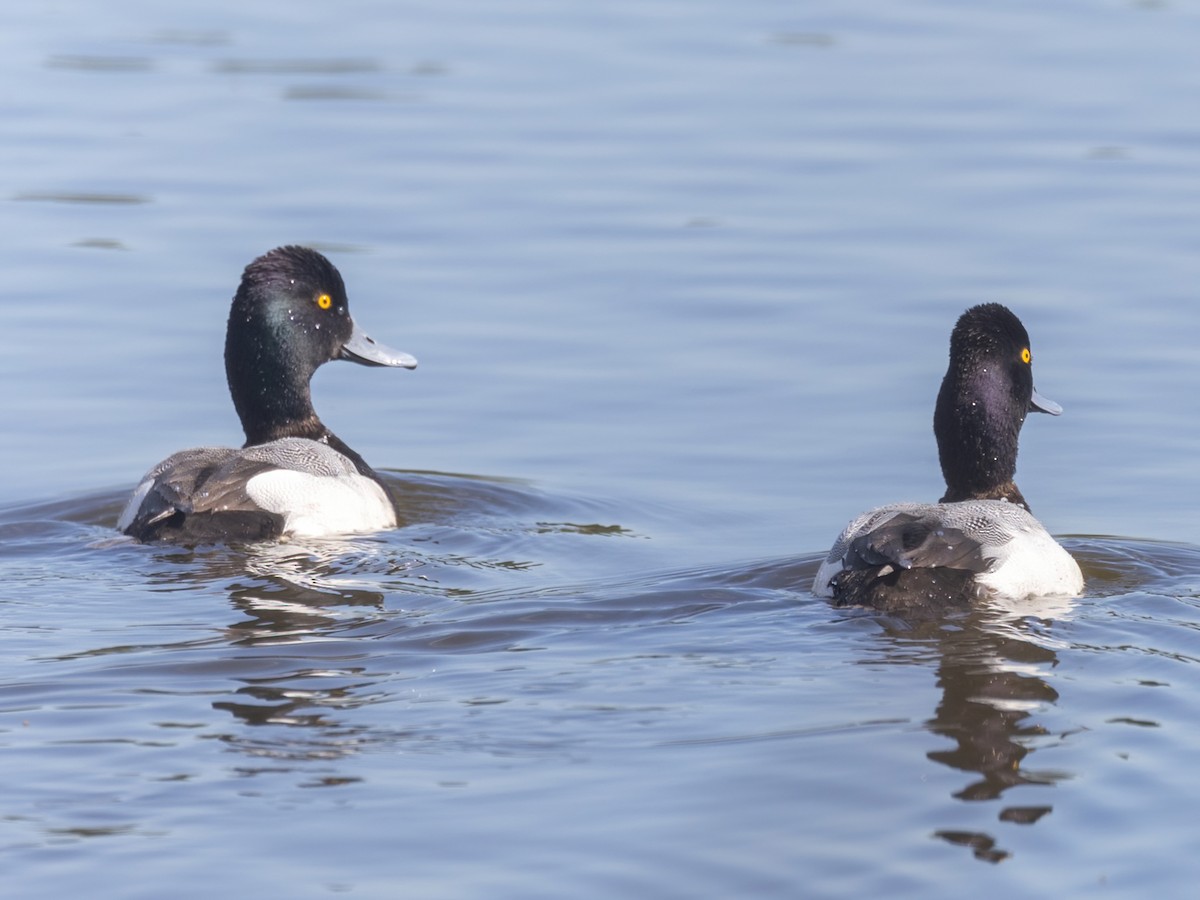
[(270, 393), (977, 430), (1007, 491), (277, 405)]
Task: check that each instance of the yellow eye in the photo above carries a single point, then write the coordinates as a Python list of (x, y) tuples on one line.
[(1026, 356), (325, 301)]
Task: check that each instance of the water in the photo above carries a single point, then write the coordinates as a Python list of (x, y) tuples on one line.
[(680, 276)]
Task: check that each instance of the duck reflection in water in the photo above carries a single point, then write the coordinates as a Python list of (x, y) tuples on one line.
[(990, 695)]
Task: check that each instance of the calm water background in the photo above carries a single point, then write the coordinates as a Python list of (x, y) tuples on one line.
[(680, 276)]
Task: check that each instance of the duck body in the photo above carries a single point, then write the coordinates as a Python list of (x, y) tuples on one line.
[(980, 540), (292, 477), (291, 486), (908, 557)]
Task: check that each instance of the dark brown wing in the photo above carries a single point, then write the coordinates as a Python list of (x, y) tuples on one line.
[(199, 496), (914, 541), (911, 564)]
